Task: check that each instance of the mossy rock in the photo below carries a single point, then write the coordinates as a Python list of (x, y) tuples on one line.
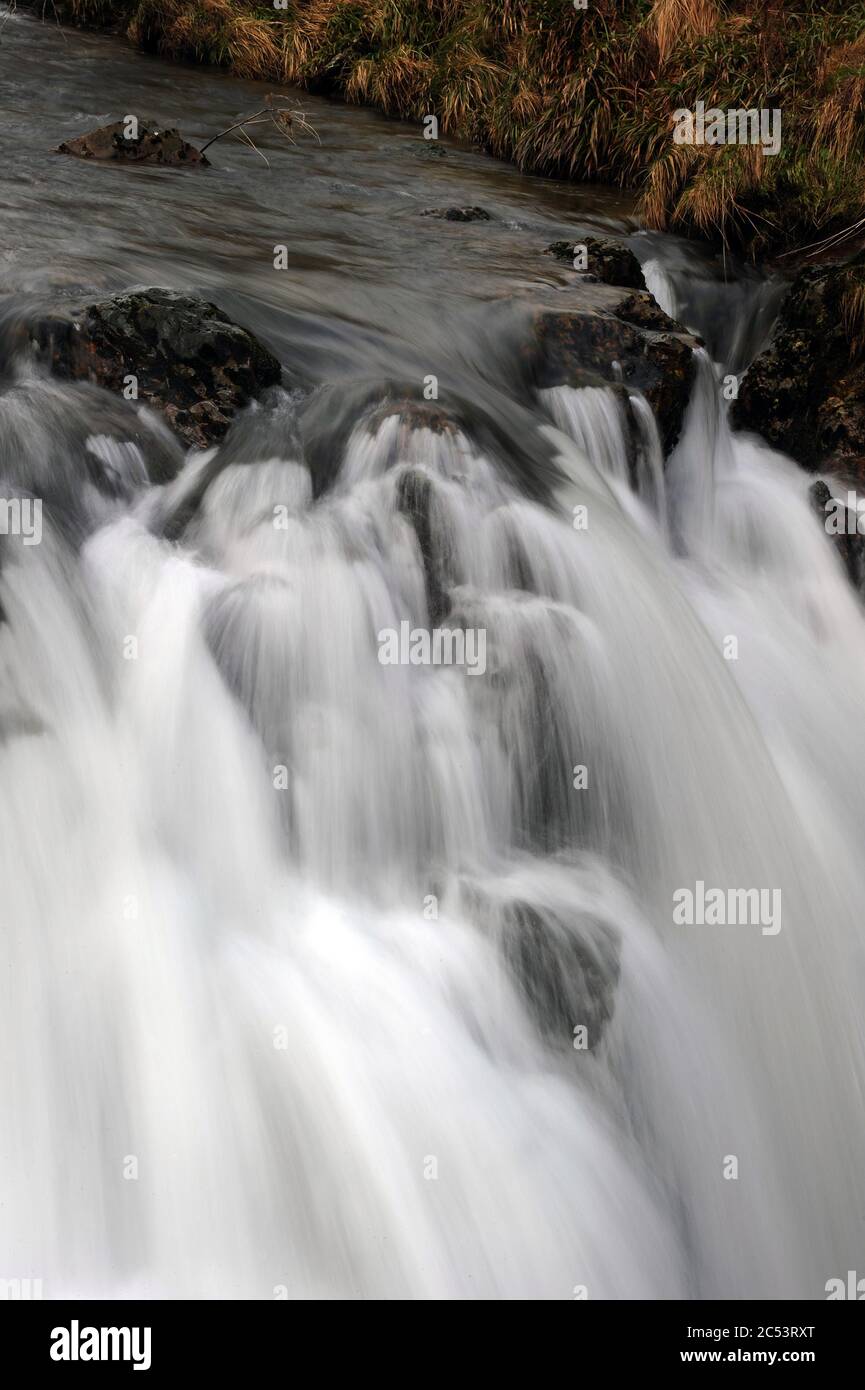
[(805, 394), (189, 360), (608, 260)]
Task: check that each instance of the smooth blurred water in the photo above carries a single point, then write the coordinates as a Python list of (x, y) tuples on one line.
[(294, 944)]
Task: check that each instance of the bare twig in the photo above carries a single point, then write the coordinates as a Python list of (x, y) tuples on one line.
[(815, 247), (285, 118), (246, 121), (242, 135)]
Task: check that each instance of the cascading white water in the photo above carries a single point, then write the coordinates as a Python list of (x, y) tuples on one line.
[(295, 943), (616, 430)]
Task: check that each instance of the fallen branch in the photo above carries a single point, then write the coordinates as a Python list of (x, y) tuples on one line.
[(284, 118), (242, 135)]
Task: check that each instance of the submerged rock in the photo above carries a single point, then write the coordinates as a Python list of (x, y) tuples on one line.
[(458, 214), (414, 415), (609, 261), (565, 964), (565, 971), (491, 423), (415, 500), (81, 451), (180, 354), (151, 143), (805, 394)]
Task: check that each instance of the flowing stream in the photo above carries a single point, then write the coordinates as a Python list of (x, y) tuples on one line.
[(295, 943)]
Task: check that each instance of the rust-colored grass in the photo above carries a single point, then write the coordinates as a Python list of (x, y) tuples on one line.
[(673, 21)]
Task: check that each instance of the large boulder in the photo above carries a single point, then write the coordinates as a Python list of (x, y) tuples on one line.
[(175, 352), (144, 142), (805, 394)]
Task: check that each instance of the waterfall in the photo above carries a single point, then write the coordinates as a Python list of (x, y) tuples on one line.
[(338, 976)]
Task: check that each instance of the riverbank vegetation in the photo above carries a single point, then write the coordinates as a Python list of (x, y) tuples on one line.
[(587, 94)]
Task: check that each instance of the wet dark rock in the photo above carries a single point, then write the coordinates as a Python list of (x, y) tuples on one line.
[(567, 975), (415, 415), (458, 214), (153, 144), (330, 415), (845, 536), (496, 423), (642, 310), (565, 965), (805, 394), (190, 360), (610, 261), (565, 344), (415, 500)]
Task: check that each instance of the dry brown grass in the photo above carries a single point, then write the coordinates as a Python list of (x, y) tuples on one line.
[(840, 123), (400, 80), (853, 311), (220, 32), (675, 21), (471, 85)]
